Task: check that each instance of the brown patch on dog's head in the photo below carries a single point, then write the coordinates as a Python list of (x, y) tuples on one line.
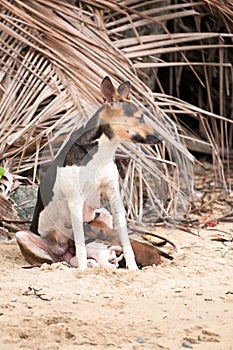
[(124, 121)]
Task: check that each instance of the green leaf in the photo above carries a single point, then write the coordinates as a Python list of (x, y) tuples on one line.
[(2, 171)]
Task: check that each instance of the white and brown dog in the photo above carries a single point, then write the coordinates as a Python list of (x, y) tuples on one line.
[(82, 174)]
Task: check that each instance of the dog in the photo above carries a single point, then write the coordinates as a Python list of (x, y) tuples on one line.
[(84, 173)]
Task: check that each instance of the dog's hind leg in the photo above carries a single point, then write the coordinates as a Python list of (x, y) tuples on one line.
[(34, 248)]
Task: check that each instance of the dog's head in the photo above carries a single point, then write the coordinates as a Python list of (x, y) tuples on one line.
[(123, 119)]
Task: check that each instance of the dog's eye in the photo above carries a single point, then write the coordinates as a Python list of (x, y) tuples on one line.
[(141, 119)]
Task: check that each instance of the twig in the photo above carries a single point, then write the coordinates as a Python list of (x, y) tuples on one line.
[(187, 229), (221, 231), (226, 252), (146, 231), (34, 291), (31, 266), (227, 215), (15, 221)]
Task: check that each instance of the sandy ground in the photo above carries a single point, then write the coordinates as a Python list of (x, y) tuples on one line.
[(184, 303)]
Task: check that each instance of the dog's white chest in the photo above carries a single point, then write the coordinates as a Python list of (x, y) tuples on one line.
[(89, 182)]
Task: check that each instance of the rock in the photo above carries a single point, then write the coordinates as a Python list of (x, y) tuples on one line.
[(25, 199), (187, 345), (140, 340)]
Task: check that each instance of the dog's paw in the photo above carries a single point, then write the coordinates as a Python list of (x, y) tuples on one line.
[(92, 263)]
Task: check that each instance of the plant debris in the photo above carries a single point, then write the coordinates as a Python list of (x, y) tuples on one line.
[(36, 292)]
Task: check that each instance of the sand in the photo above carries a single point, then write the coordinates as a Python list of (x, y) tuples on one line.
[(184, 303)]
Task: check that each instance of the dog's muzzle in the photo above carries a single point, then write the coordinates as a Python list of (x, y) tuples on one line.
[(149, 139)]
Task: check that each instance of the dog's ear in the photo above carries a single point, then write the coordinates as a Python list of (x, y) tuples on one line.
[(124, 90), (108, 90)]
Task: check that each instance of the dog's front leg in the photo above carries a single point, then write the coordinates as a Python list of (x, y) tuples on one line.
[(118, 212), (76, 211)]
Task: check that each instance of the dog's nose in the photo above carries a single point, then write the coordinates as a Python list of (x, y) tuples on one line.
[(154, 139)]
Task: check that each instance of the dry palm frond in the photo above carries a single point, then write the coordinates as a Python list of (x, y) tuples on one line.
[(194, 51), (54, 55)]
